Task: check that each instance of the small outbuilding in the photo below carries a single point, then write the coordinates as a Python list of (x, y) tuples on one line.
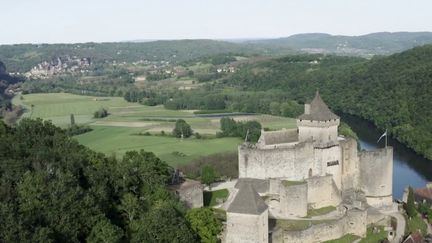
[(190, 192)]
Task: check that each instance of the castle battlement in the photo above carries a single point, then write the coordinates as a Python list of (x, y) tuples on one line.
[(308, 167)]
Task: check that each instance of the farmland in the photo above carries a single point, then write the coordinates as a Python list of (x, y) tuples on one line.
[(128, 125)]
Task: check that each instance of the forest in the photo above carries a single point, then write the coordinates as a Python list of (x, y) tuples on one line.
[(52, 189), (22, 57), (393, 92), (390, 91)]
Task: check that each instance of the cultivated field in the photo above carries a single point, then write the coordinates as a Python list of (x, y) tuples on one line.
[(120, 131)]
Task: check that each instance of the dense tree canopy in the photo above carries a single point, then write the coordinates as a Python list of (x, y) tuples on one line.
[(250, 130), (182, 129), (393, 92), (203, 221), (54, 190)]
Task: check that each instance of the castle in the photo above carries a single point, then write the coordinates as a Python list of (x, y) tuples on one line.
[(291, 172)]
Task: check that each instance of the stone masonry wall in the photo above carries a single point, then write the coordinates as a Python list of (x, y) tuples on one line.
[(329, 159), (294, 200), (350, 164), (322, 192), (354, 222), (319, 131), (376, 175), (292, 162), (244, 228)]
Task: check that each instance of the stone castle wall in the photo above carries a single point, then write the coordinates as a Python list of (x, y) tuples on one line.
[(319, 131), (376, 176), (247, 228), (294, 200), (329, 161), (354, 222), (322, 192), (350, 167), (293, 162)]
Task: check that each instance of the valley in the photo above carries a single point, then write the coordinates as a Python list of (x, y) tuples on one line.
[(131, 126)]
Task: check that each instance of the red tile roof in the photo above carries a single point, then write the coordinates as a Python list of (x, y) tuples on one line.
[(425, 192), (415, 237)]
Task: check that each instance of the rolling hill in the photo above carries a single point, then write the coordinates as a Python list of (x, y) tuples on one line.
[(381, 43), (394, 92)]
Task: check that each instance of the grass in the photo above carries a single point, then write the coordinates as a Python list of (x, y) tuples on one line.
[(118, 140), (115, 134), (416, 223), (296, 225), (57, 107), (211, 197), (349, 238), (372, 237), (320, 211)]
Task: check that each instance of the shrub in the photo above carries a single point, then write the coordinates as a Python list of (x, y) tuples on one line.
[(101, 113), (224, 164), (208, 175), (410, 206)]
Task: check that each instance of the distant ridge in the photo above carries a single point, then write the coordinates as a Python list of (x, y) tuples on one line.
[(381, 43)]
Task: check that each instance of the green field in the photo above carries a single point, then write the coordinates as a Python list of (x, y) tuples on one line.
[(117, 133), (118, 140), (57, 107)]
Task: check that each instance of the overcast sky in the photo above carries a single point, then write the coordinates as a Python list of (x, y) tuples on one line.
[(65, 21)]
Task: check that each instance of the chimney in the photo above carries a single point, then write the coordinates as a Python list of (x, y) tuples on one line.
[(307, 109)]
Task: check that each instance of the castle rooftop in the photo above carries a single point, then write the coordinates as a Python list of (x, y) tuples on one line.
[(318, 111), (247, 201)]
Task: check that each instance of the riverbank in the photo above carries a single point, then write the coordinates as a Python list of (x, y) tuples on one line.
[(409, 168)]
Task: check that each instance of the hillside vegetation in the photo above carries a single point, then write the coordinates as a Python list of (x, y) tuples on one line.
[(394, 92), (131, 126), (382, 43), (22, 57), (54, 190)]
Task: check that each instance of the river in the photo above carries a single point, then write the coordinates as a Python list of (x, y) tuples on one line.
[(409, 168)]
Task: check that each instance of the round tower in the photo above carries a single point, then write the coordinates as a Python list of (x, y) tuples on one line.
[(318, 123)]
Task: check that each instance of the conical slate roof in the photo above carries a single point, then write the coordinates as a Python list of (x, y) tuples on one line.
[(319, 111), (247, 201)]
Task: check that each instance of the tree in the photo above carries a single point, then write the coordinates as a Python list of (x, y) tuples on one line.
[(52, 189), (182, 129), (101, 113), (105, 232), (72, 120), (410, 206), (130, 206), (275, 108), (251, 129), (163, 224), (231, 128), (208, 175), (205, 224), (228, 127)]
